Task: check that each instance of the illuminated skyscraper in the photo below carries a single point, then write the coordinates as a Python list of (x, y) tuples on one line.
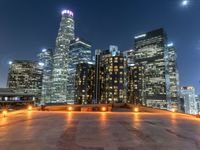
[(79, 52), (151, 52), (61, 56), (135, 85), (198, 103), (190, 105), (46, 59), (173, 77), (110, 76), (84, 83)]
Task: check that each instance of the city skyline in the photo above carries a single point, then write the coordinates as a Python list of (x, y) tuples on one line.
[(188, 74)]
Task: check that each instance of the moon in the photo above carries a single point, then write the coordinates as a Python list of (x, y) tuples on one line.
[(185, 2)]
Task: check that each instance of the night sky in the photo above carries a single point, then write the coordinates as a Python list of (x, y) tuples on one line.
[(27, 26)]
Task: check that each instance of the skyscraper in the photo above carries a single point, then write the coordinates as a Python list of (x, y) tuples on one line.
[(198, 103), (187, 94), (129, 55), (79, 52), (135, 85), (173, 76), (110, 76), (61, 56), (151, 53), (84, 83), (25, 76), (46, 60)]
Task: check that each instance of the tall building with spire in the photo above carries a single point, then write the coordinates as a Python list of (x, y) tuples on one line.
[(61, 56)]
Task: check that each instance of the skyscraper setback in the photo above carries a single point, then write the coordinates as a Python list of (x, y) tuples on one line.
[(61, 56)]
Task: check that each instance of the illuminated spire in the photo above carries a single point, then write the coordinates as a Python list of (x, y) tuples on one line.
[(68, 12)]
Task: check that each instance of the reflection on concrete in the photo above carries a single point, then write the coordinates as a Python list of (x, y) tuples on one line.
[(99, 131)]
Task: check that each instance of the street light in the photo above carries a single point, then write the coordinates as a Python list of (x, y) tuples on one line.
[(69, 108), (5, 113), (103, 108), (30, 107), (136, 109), (173, 110)]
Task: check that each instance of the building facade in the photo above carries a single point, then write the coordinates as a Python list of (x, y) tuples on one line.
[(25, 76), (129, 55), (79, 52), (61, 56), (198, 103), (85, 83), (173, 77), (190, 105), (8, 95), (151, 52), (110, 76), (46, 60), (135, 84)]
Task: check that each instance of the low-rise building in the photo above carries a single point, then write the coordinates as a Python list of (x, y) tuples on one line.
[(8, 95), (25, 76)]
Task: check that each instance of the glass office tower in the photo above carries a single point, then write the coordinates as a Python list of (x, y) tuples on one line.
[(190, 103), (173, 77), (46, 60), (151, 53), (79, 52), (61, 56)]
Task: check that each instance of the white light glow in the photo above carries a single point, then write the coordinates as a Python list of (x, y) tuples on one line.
[(131, 65), (70, 13), (170, 44), (91, 63), (185, 2), (140, 36), (41, 64), (10, 62), (77, 39), (44, 50), (64, 12)]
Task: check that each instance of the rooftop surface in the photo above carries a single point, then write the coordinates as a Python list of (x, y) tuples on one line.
[(36, 130)]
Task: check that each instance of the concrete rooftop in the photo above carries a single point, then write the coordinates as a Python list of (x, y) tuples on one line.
[(99, 131)]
